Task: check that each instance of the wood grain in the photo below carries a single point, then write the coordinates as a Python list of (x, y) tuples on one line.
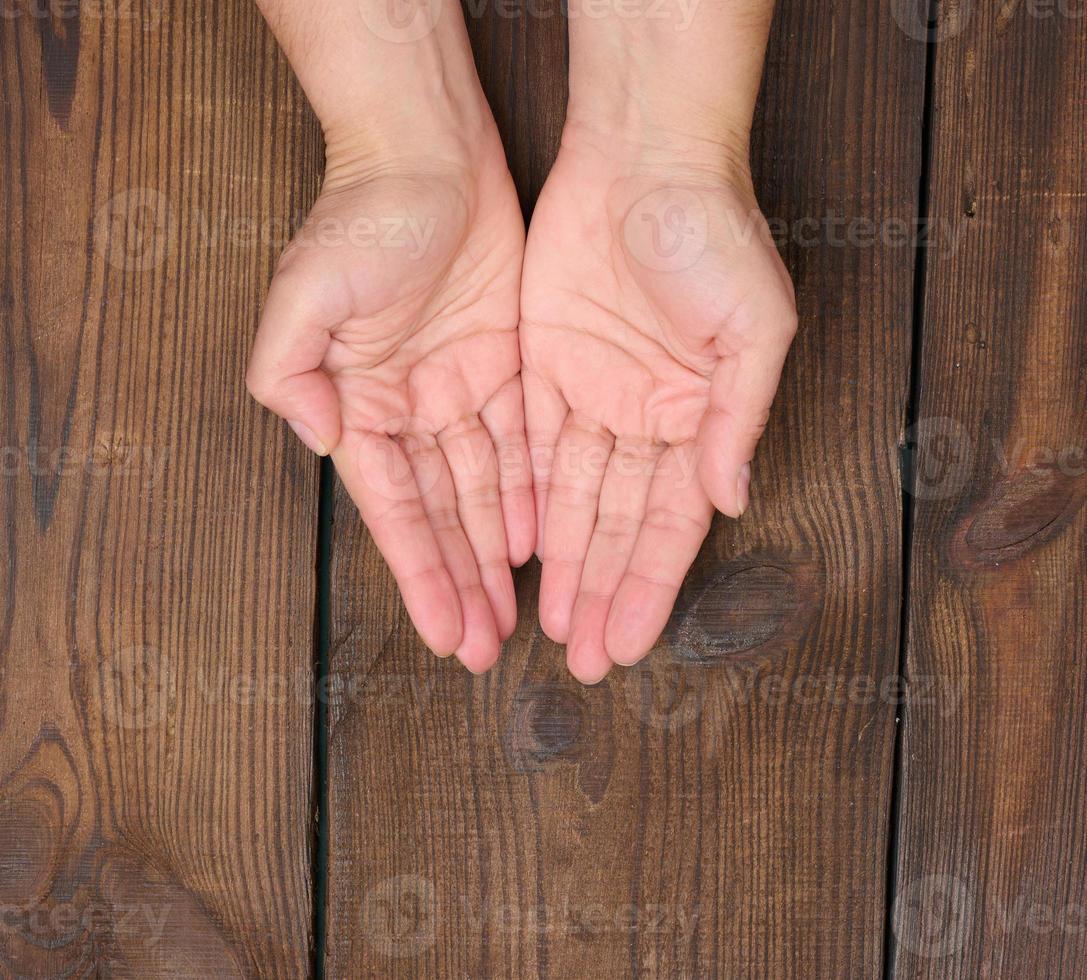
[(723, 809), (158, 528), (992, 879)]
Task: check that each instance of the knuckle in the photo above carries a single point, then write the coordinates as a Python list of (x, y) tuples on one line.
[(444, 520), (571, 495), (747, 422), (258, 385), (784, 312), (759, 421), (790, 321), (481, 497), (614, 525)]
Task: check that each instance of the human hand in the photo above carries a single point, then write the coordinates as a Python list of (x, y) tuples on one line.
[(389, 340), (655, 318)]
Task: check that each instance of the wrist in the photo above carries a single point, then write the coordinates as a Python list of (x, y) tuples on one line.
[(622, 149), (433, 143), (629, 103), (676, 83), (420, 100), (390, 82)]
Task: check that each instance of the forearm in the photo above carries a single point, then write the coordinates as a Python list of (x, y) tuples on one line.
[(684, 76), (384, 88)]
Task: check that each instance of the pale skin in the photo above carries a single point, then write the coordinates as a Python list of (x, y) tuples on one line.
[(592, 396)]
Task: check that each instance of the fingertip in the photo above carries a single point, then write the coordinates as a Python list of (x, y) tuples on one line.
[(479, 661), (518, 559), (522, 547), (743, 489), (558, 589), (498, 584), (625, 656), (720, 480), (480, 647), (330, 432), (587, 660), (479, 655), (627, 637), (308, 437), (521, 531), (539, 510), (554, 618), (588, 674), (553, 625), (435, 610), (307, 401)]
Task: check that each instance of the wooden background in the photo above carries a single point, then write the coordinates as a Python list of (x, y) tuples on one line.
[(861, 746)]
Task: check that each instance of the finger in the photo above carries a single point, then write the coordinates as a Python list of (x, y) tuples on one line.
[(470, 454), (479, 646), (577, 472), (623, 498), (504, 418), (285, 372), (545, 413), (741, 392), (379, 480), (677, 520)]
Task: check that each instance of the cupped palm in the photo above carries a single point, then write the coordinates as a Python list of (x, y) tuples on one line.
[(389, 339), (655, 318)]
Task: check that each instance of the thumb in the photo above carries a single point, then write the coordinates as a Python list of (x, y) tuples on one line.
[(285, 371), (741, 392)]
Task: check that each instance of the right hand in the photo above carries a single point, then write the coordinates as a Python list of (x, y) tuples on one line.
[(389, 341)]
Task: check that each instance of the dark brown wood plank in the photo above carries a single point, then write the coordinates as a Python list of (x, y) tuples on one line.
[(721, 810), (992, 880), (158, 528)]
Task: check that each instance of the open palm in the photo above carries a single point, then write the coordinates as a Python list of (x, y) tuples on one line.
[(389, 339), (655, 318)]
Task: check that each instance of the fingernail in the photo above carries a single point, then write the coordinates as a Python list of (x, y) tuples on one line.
[(308, 436), (742, 487)]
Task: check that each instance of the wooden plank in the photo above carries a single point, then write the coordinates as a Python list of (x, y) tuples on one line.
[(992, 878), (158, 528), (721, 810)]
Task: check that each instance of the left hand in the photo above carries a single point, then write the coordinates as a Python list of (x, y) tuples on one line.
[(655, 319)]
